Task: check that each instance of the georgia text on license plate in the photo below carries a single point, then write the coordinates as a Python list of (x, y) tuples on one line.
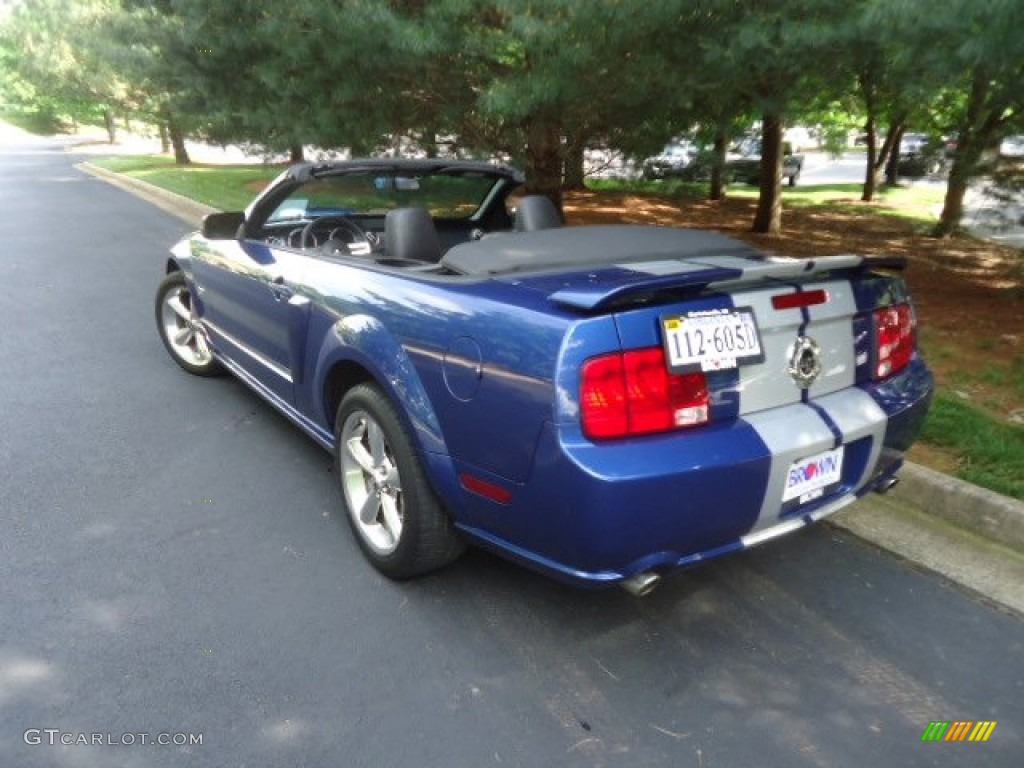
[(808, 478), (711, 340)]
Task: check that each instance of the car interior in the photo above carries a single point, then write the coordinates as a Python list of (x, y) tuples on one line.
[(408, 236)]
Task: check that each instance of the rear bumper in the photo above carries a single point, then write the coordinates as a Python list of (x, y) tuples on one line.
[(597, 513)]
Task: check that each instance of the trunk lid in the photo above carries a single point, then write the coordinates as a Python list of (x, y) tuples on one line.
[(806, 315)]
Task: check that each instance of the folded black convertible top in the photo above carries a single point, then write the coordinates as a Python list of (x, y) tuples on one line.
[(583, 247)]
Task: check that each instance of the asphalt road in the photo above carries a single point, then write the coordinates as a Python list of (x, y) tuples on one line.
[(172, 561)]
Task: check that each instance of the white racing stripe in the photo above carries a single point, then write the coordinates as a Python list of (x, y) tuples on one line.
[(831, 325), (797, 431), (797, 522), (791, 432), (857, 415), (769, 384)]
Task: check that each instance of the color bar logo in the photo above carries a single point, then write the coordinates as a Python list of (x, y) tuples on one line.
[(958, 730)]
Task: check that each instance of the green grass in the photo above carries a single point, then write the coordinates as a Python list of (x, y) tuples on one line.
[(232, 187), (991, 451), (228, 187), (133, 164), (676, 188), (815, 194), (39, 123), (933, 345), (918, 203)]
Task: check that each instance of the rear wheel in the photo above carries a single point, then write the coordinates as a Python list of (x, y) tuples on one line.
[(397, 519), (180, 330)]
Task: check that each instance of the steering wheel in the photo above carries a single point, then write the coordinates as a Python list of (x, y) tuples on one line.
[(332, 224)]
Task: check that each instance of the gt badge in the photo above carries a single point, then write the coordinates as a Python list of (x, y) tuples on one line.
[(805, 362)]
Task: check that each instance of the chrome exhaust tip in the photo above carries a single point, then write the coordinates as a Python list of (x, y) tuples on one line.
[(887, 485), (641, 584)]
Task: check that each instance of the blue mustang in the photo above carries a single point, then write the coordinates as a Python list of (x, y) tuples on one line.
[(603, 404)]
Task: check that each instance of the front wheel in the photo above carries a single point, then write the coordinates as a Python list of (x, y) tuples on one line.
[(398, 521), (180, 330)]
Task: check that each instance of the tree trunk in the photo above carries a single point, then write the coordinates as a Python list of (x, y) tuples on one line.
[(870, 174), (896, 128), (717, 188), (971, 141), (177, 141), (574, 175), (544, 162), (429, 142), (893, 160), (296, 153), (867, 87), (165, 139), (953, 204), (768, 219), (111, 125)]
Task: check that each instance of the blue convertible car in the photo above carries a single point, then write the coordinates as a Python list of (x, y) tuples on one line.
[(604, 404)]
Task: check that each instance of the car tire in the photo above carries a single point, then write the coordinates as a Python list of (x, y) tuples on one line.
[(396, 517), (793, 178), (177, 324)]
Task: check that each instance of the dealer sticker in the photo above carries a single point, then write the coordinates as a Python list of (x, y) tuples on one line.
[(808, 478)]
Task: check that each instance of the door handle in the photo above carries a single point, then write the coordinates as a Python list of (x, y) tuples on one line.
[(279, 289)]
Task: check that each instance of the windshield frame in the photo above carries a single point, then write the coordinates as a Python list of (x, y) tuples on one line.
[(503, 180)]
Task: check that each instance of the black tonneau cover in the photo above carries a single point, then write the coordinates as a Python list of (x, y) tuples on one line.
[(583, 247)]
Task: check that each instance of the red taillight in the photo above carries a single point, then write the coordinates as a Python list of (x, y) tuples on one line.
[(603, 397), (633, 393), (894, 339)]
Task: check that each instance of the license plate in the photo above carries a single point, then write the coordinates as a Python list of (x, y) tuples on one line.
[(808, 478), (712, 340)]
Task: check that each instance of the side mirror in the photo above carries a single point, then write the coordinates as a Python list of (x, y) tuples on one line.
[(222, 226)]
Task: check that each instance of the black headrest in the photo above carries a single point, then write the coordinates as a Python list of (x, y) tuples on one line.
[(409, 233), (536, 212)]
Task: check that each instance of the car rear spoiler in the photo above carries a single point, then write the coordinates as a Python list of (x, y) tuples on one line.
[(715, 277)]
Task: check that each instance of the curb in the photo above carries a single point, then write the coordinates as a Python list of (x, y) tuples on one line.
[(978, 510), (182, 207)]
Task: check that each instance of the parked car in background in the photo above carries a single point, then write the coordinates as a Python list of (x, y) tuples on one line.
[(675, 161), (604, 404), (949, 144), (913, 143), (604, 163), (745, 164), (1012, 146), (922, 155)]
